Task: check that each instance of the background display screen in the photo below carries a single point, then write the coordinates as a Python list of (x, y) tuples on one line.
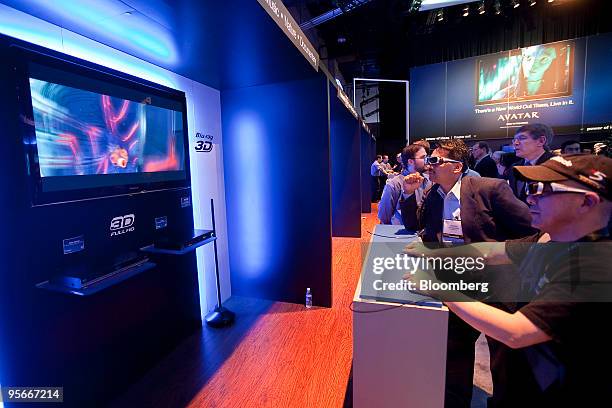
[(541, 71), (559, 84)]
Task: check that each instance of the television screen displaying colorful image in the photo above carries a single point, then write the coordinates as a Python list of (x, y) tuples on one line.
[(81, 133), (537, 72), (94, 134), (564, 84)]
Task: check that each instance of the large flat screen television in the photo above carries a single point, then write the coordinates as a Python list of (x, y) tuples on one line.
[(91, 132), (562, 84), (531, 73)]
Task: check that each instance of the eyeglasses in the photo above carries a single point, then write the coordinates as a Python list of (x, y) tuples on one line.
[(538, 188), (519, 138), (436, 161)]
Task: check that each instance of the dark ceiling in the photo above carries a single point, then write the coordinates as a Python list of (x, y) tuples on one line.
[(383, 39), (371, 39)]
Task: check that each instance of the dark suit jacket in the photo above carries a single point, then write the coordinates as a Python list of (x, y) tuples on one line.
[(518, 188), (487, 167), (489, 212)]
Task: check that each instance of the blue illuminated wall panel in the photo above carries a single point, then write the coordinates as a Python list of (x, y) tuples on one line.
[(277, 173), (366, 179), (345, 164), (255, 51)]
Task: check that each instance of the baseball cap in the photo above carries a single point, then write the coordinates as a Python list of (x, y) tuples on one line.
[(591, 171)]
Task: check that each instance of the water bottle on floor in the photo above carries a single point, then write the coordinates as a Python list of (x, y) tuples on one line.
[(308, 298)]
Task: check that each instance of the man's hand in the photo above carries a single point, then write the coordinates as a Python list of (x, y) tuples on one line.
[(411, 182), (418, 250), (422, 275)]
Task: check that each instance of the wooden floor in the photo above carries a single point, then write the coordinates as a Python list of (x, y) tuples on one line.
[(276, 355)]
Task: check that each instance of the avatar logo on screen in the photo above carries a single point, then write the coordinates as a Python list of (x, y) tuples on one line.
[(79, 132), (538, 72)]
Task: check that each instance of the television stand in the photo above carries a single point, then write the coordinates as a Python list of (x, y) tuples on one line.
[(81, 286)]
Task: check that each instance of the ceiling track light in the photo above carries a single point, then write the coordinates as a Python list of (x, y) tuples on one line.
[(415, 6), (515, 3), (532, 3), (466, 11), (440, 16), (481, 8), (497, 7)]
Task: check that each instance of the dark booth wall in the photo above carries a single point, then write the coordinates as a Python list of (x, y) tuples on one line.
[(365, 177), (276, 144), (253, 50), (345, 166), (276, 154)]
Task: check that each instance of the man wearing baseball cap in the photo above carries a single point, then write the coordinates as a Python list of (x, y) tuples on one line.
[(566, 287)]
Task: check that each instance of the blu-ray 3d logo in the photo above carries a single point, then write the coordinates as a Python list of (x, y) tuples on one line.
[(203, 145), (122, 225)]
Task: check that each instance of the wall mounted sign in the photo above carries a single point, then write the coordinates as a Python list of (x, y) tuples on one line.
[(279, 13), (72, 245), (161, 222)]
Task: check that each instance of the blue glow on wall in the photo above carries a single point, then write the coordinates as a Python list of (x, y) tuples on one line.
[(22, 26), (277, 189), (110, 22), (122, 63), (255, 192)]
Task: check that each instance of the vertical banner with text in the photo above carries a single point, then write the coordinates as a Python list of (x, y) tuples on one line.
[(279, 13)]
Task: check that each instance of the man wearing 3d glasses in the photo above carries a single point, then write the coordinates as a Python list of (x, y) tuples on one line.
[(463, 209), (566, 286)]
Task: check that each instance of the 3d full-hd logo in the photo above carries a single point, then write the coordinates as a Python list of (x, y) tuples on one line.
[(122, 225)]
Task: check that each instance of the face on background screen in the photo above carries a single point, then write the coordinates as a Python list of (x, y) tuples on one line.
[(536, 60)]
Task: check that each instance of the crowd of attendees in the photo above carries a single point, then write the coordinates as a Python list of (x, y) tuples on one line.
[(545, 343)]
